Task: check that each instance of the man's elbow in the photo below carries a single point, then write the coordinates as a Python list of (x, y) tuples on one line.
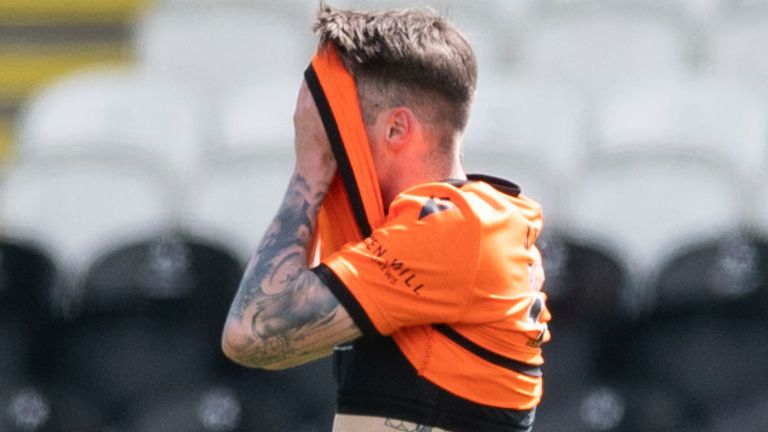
[(242, 348)]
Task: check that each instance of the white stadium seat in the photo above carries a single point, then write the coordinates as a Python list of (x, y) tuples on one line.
[(703, 114), (533, 131), (257, 116), (216, 45), (77, 207), (737, 42), (113, 110), (688, 10), (649, 207), (537, 122), (233, 201), (593, 47)]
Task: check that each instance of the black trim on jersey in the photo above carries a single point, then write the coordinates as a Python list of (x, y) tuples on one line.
[(499, 184), (375, 379), (486, 354), (346, 299), (339, 152)]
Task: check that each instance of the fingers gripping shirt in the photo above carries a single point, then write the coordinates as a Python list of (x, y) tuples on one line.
[(453, 275)]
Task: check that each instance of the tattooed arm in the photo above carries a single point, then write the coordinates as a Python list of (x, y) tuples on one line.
[(283, 315), (355, 423)]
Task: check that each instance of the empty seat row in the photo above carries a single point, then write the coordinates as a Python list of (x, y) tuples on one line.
[(641, 210), (543, 124), (586, 43), (136, 346)]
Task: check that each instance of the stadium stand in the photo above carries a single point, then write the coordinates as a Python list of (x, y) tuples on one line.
[(41, 40), (750, 415), (74, 206), (214, 48), (734, 42), (688, 341), (247, 123), (233, 199), (648, 206), (538, 124), (119, 111), (705, 114), (592, 47), (27, 277), (148, 324), (135, 191), (587, 288), (694, 15)]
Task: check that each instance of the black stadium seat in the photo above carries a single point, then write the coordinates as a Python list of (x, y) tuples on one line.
[(586, 287), (27, 276), (150, 323)]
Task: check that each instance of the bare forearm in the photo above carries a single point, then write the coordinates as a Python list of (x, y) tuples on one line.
[(282, 314), (282, 253)]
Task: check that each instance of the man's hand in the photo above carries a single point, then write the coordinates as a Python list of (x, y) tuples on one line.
[(283, 314), (314, 158)]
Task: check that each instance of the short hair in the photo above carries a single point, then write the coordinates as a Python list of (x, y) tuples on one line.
[(404, 57)]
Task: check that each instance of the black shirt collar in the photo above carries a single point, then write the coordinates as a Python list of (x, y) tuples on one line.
[(502, 185)]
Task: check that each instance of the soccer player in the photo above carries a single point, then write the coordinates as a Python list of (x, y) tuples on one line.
[(437, 316)]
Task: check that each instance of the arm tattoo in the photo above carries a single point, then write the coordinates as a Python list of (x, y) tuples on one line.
[(402, 426), (291, 314)]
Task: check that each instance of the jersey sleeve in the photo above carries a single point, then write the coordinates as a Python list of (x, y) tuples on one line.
[(418, 268)]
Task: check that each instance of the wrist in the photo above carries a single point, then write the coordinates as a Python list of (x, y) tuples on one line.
[(316, 169)]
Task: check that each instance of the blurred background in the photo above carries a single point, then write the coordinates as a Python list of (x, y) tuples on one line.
[(146, 144)]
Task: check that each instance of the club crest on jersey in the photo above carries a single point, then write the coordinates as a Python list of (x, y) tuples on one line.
[(435, 205)]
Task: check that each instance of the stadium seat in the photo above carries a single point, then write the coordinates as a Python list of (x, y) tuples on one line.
[(624, 405), (203, 407), (36, 406), (586, 290), (537, 123), (592, 48), (257, 116), (693, 12), (264, 402), (727, 270), (120, 111), (650, 206), (149, 323), (75, 206), (301, 398), (759, 207), (27, 277), (700, 115), (215, 45), (232, 201), (709, 350), (735, 42), (750, 415)]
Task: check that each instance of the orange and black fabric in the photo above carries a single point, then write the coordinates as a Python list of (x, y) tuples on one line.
[(445, 285), (353, 204)]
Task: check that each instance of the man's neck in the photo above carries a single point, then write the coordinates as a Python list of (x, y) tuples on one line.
[(455, 172)]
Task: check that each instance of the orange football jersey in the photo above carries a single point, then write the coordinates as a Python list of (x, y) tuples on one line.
[(453, 275)]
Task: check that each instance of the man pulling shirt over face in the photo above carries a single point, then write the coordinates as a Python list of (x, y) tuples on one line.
[(437, 311)]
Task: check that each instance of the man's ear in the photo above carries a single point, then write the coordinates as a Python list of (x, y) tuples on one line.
[(400, 127)]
